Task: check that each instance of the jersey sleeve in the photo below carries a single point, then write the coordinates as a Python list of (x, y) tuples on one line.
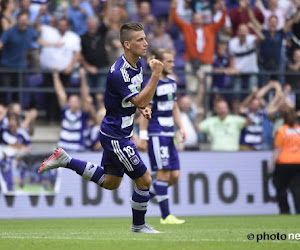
[(122, 85), (241, 121)]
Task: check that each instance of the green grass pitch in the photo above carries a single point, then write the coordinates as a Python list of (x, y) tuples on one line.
[(228, 232)]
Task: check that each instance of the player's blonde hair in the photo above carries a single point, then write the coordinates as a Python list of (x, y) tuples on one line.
[(158, 54)]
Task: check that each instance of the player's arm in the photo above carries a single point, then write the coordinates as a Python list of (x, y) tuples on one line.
[(59, 89), (84, 90), (177, 120), (145, 96), (143, 134)]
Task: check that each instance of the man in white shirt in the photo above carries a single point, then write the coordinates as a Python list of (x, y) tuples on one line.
[(243, 58), (65, 54)]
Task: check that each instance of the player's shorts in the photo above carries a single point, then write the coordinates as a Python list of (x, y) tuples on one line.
[(163, 153), (121, 156)]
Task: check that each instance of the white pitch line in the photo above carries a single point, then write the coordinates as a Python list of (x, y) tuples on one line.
[(24, 237)]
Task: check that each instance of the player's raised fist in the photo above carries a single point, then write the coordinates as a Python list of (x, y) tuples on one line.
[(156, 67)]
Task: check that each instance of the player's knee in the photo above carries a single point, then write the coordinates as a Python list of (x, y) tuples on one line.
[(144, 182), (174, 178), (111, 186)]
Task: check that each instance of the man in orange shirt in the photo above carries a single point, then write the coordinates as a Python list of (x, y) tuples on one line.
[(286, 159), (199, 42)]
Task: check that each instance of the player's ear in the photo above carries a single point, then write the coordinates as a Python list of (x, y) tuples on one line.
[(127, 44)]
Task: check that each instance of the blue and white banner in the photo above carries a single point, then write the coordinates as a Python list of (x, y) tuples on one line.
[(211, 183)]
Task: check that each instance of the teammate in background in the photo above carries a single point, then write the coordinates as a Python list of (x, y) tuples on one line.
[(286, 159), (120, 155), (160, 128)]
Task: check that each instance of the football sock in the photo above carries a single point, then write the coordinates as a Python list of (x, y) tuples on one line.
[(161, 188), (88, 170), (139, 202), (152, 190)]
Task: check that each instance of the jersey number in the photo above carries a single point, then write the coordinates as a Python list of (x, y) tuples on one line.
[(129, 151)]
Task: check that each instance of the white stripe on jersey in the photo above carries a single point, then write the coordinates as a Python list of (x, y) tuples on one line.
[(156, 149), (165, 106), (122, 158), (70, 125), (166, 121), (165, 89), (127, 121), (124, 72), (70, 136)]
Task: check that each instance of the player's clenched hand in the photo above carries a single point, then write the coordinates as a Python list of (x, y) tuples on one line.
[(146, 112), (156, 67)]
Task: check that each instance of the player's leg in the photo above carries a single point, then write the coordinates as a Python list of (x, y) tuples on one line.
[(87, 170), (174, 177)]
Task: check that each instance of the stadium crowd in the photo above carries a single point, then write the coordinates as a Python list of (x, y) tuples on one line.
[(236, 65)]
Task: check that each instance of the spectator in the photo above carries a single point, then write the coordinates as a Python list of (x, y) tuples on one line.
[(286, 159), (295, 32), (293, 80), (188, 115), (61, 48), (243, 58), (77, 16), (254, 136), (224, 129), (15, 141), (200, 43), (271, 44), (221, 65), (205, 8), (240, 15), (159, 38), (225, 33), (143, 15), (26, 122), (15, 42), (6, 15), (43, 16), (94, 55), (113, 44), (75, 114)]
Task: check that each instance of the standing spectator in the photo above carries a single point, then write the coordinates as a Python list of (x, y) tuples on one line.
[(143, 15), (6, 15), (240, 15), (77, 16), (159, 38), (294, 80), (243, 58), (200, 43), (221, 65), (61, 48), (113, 44), (286, 159), (272, 10), (224, 129), (295, 33), (75, 114), (94, 55), (272, 42), (15, 42), (225, 33)]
